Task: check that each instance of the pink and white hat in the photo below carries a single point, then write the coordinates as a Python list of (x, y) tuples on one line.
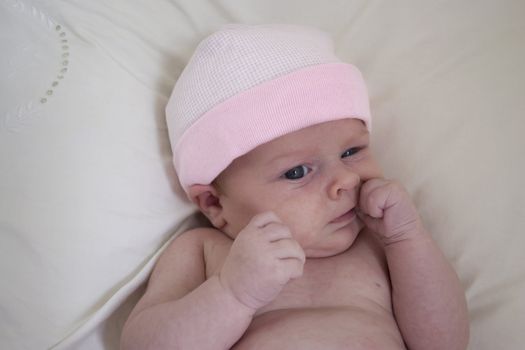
[(246, 85)]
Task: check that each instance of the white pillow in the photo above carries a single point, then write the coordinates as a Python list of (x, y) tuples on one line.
[(87, 189)]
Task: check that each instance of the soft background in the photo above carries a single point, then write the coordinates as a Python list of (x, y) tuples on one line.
[(88, 197)]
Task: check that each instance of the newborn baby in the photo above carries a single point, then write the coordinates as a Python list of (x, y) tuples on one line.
[(311, 248)]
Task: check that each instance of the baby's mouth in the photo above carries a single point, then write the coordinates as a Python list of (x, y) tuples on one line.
[(348, 216)]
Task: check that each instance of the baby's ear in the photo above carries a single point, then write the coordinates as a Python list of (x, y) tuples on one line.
[(206, 198)]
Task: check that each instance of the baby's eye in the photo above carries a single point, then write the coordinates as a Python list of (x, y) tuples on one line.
[(297, 172), (350, 152)]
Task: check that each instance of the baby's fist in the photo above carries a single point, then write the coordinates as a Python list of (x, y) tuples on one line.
[(387, 209), (263, 258)]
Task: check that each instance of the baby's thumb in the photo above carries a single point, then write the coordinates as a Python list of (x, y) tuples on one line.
[(373, 224)]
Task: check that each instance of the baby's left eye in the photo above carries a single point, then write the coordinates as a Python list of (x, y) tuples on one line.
[(350, 152)]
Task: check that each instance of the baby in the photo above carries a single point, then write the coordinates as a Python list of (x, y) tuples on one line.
[(311, 248)]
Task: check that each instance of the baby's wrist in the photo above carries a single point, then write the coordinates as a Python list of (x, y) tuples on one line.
[(233, 298), (409, 234)]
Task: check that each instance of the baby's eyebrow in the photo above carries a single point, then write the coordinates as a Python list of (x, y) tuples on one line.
[(358, 136), (288, 156)]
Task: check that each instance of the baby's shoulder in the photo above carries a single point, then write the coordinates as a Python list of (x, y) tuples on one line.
[(199, 236), (180, 268), (196, 239)]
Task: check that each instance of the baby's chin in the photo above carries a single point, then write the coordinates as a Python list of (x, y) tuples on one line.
[(360, 225), (338, 246)]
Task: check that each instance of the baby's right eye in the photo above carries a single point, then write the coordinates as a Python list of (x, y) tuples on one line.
[(297, 172)]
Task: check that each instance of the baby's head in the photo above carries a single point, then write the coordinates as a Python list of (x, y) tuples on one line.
[(267, 118)]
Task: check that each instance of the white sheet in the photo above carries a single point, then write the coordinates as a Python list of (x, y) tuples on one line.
[(88, 196)]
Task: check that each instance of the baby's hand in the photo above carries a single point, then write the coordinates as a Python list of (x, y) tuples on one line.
[(262, 259), (387, 209)]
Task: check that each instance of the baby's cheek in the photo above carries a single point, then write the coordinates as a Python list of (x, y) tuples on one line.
[(240, 214), (369, 169), (301, 216)]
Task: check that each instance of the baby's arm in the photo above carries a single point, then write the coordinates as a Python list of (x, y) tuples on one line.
[(428, 300), (181, 309)]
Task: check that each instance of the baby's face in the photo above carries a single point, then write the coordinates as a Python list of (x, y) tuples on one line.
[(309, 178)]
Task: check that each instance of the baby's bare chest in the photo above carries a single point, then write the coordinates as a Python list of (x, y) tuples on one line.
[(341, 302), (353, 278)]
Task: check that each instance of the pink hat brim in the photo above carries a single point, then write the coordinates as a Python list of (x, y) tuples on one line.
[(305, 97)]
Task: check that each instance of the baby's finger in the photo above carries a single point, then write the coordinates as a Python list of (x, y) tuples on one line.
[(293, 268), (372, 223), (276, 231), (373, 197), (364, 191), (288, 249), (263, 219)]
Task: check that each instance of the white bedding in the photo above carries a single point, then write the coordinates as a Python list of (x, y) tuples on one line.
[(88, 196)]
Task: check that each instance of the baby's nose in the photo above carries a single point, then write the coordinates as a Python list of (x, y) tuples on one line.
[(343, 179)]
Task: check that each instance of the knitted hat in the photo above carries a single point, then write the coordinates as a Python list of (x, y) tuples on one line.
[(247, 85)]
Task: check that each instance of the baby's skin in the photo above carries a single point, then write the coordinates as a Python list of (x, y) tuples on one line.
[(339, 302), (311, 249)]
